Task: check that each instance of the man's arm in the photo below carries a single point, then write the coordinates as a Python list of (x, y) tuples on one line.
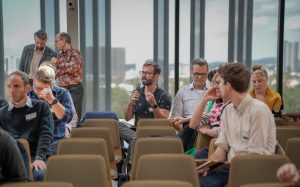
[(22, 60), (218, 155), (177, 106), (129, 109), (162, 109)]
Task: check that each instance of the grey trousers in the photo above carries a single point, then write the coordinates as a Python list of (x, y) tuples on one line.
[(125, 132)]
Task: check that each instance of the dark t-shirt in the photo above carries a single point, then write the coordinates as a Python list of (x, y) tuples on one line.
[(142, 109)]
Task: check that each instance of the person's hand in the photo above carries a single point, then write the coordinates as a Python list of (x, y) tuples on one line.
[(210, 94), (39, 165), (47, 95), (177, 123), (150, 98), (288, 173), (135, 96), (204, 129), (54, 60)]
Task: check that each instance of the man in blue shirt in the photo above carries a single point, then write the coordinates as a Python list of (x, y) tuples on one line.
[(58, 98)]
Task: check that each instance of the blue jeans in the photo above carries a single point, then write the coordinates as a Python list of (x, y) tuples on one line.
[(212, 179)]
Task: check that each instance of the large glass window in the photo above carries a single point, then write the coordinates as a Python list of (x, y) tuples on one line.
[(132, 44), (291, 61), (184, 43), (264, 43), (18, 31), (216, 32)]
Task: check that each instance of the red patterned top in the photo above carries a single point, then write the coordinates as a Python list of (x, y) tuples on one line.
[(69, 68)]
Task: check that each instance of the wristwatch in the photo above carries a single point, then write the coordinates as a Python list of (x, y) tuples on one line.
[(40, 157), (154, 106), (55, 101)]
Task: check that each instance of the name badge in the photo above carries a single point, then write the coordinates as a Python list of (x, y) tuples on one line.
[(30, 116)]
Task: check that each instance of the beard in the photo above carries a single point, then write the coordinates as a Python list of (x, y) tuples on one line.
[(146, 82)]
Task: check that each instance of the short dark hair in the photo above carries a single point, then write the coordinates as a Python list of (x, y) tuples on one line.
[(200, 62), (41, 34), (237, 75), (65, 36), (24, 76), (211, 74), (150, 62)]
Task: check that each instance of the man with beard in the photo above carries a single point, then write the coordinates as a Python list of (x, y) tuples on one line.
[(148, 101), (34, 54), (29, 119)]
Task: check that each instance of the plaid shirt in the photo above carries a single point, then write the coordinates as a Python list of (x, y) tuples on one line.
[(69, 68)]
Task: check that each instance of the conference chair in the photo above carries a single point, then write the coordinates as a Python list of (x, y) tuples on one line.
[(38, 184), (97, 132), (27, 148), (267, 185), (246, 169), (202, 141), (285, 132), (167, 167), (153, 122), (154, 145), (80, 170), (157, 183), (97, 146), (113, 125), (293, 150), (155, 131)]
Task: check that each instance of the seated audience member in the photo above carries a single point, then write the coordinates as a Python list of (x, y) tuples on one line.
[(29, 119), (58, 99), (187, 99), (242, 131), (209, 123), (262, 92), (210, 77), (12, 168), (3, 102), (289, 173)]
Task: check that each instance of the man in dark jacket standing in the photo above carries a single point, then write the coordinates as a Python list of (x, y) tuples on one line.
[(34, 54)]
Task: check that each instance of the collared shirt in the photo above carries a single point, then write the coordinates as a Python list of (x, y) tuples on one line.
[(69, 68), (249, 128), (35, 61), (62, 95), (28, 103), (142, 109), (186, 101)]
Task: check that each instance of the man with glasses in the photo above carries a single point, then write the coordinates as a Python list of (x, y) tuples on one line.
[(148, 100), (187, 100), (34, 54), (58, 99)]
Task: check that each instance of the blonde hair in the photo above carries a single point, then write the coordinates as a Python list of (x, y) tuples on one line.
[(45, 74), (258, 69)]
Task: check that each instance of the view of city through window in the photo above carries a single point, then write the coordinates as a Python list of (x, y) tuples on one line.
[(132, 43)]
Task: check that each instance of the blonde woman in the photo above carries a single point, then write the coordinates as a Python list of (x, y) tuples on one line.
[(262, 92)]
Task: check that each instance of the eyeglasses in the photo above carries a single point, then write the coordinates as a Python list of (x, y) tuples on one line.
[(36, 88), (199, 75), (145, 73)]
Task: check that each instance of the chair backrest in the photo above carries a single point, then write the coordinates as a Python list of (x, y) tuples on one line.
[(112, 124), (212, 147), (80, 170), (283, 133), (100, 114), (167, 167), (293, 150), (153, 122), (157, 183), (246, 169), (96, 132), (202, 140), (157, 145), (38, 184), (27, 148), (155, 131), (75, 146), (267, 185)]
